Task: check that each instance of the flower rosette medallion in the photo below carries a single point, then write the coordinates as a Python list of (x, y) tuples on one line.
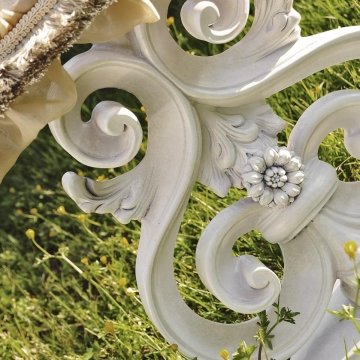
[(274, 178)]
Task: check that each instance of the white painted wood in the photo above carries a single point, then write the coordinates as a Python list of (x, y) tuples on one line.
[(208, 121)]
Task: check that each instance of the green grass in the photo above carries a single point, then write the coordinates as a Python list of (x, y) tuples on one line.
[(80, 302)]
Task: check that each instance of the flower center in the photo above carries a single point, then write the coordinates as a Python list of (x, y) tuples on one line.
[(275, 177)]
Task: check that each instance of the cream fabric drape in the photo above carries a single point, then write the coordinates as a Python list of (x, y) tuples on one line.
[(119, 19), (30, 112)]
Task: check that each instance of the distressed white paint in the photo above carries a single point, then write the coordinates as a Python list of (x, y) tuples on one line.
[(207, 118)]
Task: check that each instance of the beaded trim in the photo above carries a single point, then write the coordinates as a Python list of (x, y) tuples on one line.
[(27, 22)]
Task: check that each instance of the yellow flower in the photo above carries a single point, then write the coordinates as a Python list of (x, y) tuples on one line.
[(81, 217), (224, 354), (103, 259), (123, 282), (109, 327), (30, 234), (101, 178), (124, 241), (61, 210), (85, 261), (33, 211), (170, 21), (38, 188), (350, 248)]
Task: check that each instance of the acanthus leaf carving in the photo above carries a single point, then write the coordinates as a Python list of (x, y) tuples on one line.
[(127, 197), (230, 136)]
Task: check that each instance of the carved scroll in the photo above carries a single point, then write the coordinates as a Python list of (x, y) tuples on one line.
[(208, 120)]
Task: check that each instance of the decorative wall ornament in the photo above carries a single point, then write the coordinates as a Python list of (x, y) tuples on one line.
[(215, 21), (208, 120), (274, 178), (230, 135)]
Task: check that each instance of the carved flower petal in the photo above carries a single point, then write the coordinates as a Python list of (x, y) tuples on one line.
[(252, 177), (291, 189), (267, 197), (284, 157), (257, 190), (296, 177), (270, 156), (257, 163), (294, 164), (246, 168), (281, 198)]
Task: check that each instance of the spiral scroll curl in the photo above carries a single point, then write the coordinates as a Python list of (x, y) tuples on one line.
[(111, 138), (215, 21), (171, 167), (270, 57)]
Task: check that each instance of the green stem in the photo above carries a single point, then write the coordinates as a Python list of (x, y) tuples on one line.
[(357, 289)]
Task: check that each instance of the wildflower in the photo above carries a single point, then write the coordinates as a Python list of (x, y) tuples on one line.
[(142, 109), (30, 234), (170, 21), (103, 259), (81, 173), (61, 210), (122, 282), (350, 248), (33, 211), (224, 354), (124, 241), (101, 178), (109, 327), (85, 261), (130, 292), (81, 217), (38, 188)]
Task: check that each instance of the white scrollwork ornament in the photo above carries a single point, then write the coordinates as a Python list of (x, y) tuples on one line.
[(271, 56), (215, 21), (230, 136), (274, 178), (208, 121)]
